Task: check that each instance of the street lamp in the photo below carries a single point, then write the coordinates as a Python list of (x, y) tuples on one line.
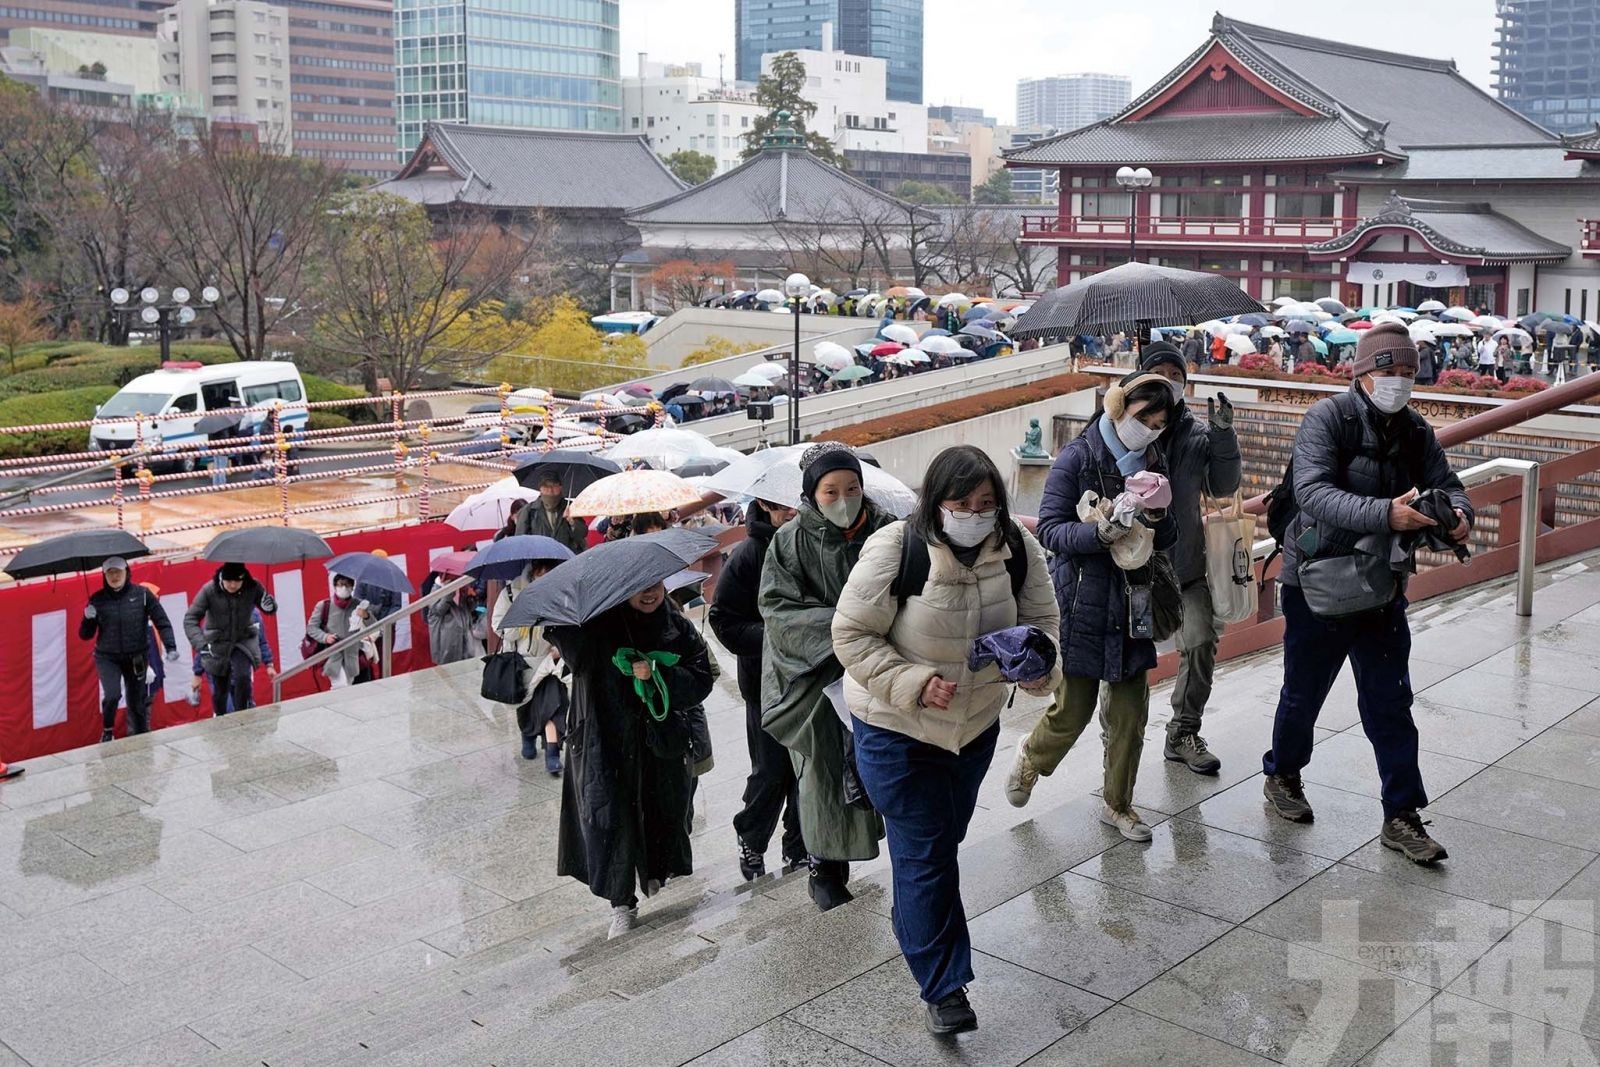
[(1133, 179), (796, 287), (153, 312)]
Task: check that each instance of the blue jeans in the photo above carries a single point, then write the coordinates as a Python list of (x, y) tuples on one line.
[(926, 796), (1378, 645)]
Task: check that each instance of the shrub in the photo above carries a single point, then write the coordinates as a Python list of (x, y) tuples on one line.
[(1346, 371), (321, 389), (327, 420), (969, 407), (1466, 379), (1525, 384), (1258, 361), (1312, 370), (66, 405), (717, 347)]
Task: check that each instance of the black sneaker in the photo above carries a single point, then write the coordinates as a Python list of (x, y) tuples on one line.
[(106, 735), (1190, 750), (952, 1015), (1404, 834), (752, 864), (552, 759), (828, 891), (794, 863), (1288, 797)]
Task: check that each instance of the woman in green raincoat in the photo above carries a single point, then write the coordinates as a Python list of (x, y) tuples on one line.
[(807, 565)]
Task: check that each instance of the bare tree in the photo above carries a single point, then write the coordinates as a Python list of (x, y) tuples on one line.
[(851, 240), (982, 247), (680, 283), (247, 218), (43, 151)]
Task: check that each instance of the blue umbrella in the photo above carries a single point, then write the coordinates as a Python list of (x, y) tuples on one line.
[(979, 329), (1252, 320), (367, 569), (506, 558), (936, 332), (1341, 336), (972, 314)]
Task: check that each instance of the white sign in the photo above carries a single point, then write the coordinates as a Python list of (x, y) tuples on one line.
[(1429, 275)]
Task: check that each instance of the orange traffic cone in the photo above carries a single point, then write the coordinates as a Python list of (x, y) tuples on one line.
[(9, 772)]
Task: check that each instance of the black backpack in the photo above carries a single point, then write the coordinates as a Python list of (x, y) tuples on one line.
[(912, 576)]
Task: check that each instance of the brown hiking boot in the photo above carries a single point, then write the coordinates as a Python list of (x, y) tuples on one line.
[(1404, 834), (1288, 797)]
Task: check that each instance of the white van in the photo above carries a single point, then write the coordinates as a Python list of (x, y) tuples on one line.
[(192, 391)]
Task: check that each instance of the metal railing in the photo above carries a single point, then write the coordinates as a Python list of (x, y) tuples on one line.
[(1591, 236), (1528, 527), (1283, 230), (383, 627)]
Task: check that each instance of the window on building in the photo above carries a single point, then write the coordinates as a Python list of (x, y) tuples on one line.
[(744, 122), (711, 121), (651, 122), (727, 119), (635, 122)]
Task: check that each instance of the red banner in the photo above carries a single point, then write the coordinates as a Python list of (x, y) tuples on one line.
[(49, 692)]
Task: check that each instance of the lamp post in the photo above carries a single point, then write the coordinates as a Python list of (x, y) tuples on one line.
[(1133, 179), (152, 310), (796, 287)]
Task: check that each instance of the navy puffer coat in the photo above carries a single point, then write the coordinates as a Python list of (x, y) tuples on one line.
[(1091, 589)]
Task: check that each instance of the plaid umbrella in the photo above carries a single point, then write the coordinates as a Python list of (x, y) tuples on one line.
[(1134, 292)]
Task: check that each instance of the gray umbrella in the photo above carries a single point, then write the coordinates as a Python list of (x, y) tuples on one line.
[(606, 575), (82, 551), (266, 545), (1131, 293)]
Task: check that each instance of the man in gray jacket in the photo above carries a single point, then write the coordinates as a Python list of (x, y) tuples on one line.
[(1360, 460), (1202, 460), (221, 626)]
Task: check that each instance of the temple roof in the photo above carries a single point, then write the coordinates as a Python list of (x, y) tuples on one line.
[(1456, 230), (1583, 145)]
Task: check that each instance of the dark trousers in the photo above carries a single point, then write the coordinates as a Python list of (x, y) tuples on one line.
[(1378, 646), (121, 675), (771, 789), (235, 682), (926, 796)]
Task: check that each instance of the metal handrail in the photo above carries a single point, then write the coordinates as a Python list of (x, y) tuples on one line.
[(387, 623), (1528, 534)]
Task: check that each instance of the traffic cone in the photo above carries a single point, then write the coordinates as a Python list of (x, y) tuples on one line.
[(9, 772)]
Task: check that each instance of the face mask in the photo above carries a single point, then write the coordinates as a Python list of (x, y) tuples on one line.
[(1389, 395), (1177, 391), (1135, 435), (969, 529), (842, 512), (343, 592)]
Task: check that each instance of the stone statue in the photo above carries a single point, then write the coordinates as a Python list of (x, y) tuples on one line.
[(1032, 442)]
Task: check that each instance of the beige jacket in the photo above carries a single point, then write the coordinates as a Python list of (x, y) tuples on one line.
[(890, 654)]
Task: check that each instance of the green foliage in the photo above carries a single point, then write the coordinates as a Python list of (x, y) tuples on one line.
[(565, 352), (717, 347), (779, 90), (925, 193), (690, 166), (327, 420), (995, 190), (65, 405), (321, 389)]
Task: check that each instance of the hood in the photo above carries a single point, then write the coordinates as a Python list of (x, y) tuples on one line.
[(758, 523)]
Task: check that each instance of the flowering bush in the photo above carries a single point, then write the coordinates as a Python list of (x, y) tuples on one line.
[(1525, 384), (1466, 379), (1345, 371), (1312, 370), (1258, 361)]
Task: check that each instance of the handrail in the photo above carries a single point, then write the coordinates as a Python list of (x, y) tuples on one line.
[(700, 370), (387, 623), (1528, 534)]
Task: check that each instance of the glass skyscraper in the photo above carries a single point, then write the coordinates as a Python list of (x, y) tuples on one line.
[(1547, 61), (887, 29), (537, 64)]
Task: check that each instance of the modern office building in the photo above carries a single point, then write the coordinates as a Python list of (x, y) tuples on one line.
[(677, 108), (232, 55), (126, 60), (132, 17), (1547, 61), (529, 64), (890, 30), (1068, 101), (341, 83), (888, 171)]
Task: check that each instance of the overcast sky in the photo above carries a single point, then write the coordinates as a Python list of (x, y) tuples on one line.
[(975, 52)]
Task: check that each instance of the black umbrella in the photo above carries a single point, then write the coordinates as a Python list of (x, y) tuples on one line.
[(266, 545), (1331, 306), (82, 551), (711, 385), (219, 422), (1134, 292), (484, 409), (626, 423), (676, 389), (577, 470), (368, 569), (605, 576)]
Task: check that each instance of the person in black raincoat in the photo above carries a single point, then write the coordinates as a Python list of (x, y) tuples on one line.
[(626, 792)]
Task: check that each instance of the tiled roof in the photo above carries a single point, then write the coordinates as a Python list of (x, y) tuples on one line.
[(778, 185), (1586, 144), (1204, 138), (563, 170), (1540, 162), (1458, 228)]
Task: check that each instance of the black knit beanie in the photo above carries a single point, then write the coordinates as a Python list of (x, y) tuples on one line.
[(822, 459), (233, 572), (1159, 352)]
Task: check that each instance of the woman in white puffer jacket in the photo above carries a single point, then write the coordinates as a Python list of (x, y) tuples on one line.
[(925, 724)]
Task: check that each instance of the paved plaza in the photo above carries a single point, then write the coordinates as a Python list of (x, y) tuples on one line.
[(367, 877)]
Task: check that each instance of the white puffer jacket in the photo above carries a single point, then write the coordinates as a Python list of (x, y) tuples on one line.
[(889, 653)]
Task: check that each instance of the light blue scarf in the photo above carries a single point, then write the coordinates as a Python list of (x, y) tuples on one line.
[(1128, 461)]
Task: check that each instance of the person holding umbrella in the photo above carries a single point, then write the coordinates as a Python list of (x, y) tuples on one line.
[(118, 618), (332, 620), (807, 564), (547, 681), (219, 624), (548, 518)]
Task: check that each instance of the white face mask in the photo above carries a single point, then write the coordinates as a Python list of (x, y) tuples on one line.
[(1135, 435), (343, 591), (1177, 391), (968, 529), (842, 512), (1389, 395)]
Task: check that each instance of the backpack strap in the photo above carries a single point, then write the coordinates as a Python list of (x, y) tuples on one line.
[(912, 576), (1017, 562)]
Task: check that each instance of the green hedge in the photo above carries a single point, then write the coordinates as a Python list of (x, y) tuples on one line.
[(327, 420), (321, 389), (66, 405)]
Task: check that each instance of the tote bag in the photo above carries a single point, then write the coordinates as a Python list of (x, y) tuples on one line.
[(1230, 574)]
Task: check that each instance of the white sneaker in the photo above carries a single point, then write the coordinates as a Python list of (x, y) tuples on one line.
[(623, 919), (1022, 777), (1127, 823)]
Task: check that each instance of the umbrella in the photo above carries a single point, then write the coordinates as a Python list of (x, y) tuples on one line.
[(1359, 324), (769, 296), (699, 467), (1300, 326), (769, 370), (711, 385), (899, 331), (1486, 322), (1458, 313), (1240, 344), (1134, 292), (266, 545), (953, 298), (850, 374), (781, 482), (735, 479), (1341, 336), (633, 492), (605, 576), (1251, 320), (488, 510), (1319, 346), (888, 348), (81, 551), (900, 290), (1272, 331), (684, 579), (752, 380), (637, 389), (1517, 336), (476, 409), (1452, 329), (937, 331), (1556, 326), (974, 314), (577, 470), (671, 445), (368, 569), (831, 355), (1423, 330), (855, 294), (1239, 329), (508, 557), (673, 391), (940, 345), (1331, 306), (979, 329), (1283, 301), (917, 355), (226, 420), (1428, 306), (452, 564)]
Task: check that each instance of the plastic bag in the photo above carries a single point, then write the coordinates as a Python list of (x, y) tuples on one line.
[(1131, 549)]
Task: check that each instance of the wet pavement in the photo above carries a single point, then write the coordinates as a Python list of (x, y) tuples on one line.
[(367, 877)]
